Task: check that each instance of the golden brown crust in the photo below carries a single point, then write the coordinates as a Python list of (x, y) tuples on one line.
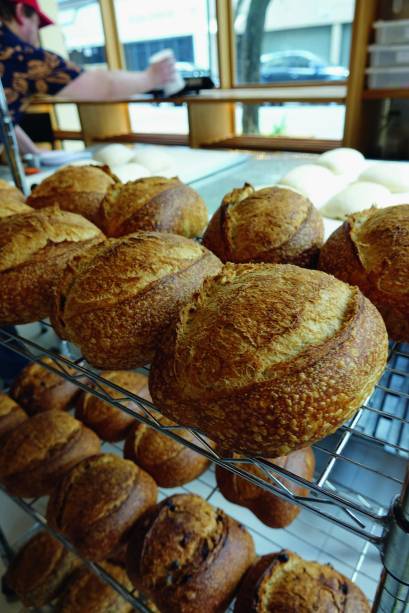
[(34, 249), (153, 204), (38, 389), (11, 414), (98, 502), (41, 570), (41, 450), (170, 463), (180, 552), (116, 300), (9, 205), (273, 224), (285, 583), (7, 189), (79, 189), (267, 359), (271, 510), (371, 250), (110, 423)]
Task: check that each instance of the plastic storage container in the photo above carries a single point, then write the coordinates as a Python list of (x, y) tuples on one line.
[(394, 55), (394, 32), (388, 77)]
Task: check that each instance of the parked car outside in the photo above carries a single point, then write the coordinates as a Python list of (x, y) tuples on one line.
[(298, 66)]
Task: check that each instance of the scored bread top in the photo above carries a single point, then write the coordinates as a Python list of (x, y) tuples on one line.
[(24, 236), (71, 179)]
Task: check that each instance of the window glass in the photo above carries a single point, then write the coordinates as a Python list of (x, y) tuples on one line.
[(81, 24)]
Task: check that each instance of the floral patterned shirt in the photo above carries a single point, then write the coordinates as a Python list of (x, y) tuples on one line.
[(26, 70)]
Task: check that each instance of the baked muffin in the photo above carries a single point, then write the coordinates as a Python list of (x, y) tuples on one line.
[(110, 423), (115, 300), (37, 389), (11, 414), (97, 503), (273, 224), (371, 250), (41, 450), (273, 511), (285, 583), (188, 556), (41, 570), (170, 463), (34, 249), (267, 359), (153, 204), (79, 189)]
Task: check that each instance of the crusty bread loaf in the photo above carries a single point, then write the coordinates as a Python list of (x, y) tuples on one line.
[(271, 510), (11, 414), (273, 224), (285, 583), (10, 206), (110, 423), (371, 250), (41, 450), (7, 189), (170, 463), (38, 389), (188, 556), (153, 203), (41, 570), (267, 359), (98, 502), (34, 249), (116, 299), (79, 189)]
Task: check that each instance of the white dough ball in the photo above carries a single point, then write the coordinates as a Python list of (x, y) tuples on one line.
[(313, 181), (153, 159), (356, 197), (343, 161), (114, 155), (130, 172), (393, 175)]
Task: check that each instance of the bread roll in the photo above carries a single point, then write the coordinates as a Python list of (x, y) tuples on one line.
[(34, 249), (110, 423), (371, 250), (11, 414), (267, 359), (9, 190), (188, 556), (41, 450), (38, 389), (116, 300), (41, 570), (273, 224), (97, 503), (79, 189), (273, 511), (170, 463), (153, 203), (9, 206), (284, 582)]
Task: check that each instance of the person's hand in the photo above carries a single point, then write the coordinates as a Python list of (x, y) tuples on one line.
[(161, 73)]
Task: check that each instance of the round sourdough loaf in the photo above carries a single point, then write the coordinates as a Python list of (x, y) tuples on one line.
[(116, 299), (34, 249), (11, 414), (188, 556), (284, 582), (267, 359), (274, 224), (153, 203), (371, 250), (79, 189)]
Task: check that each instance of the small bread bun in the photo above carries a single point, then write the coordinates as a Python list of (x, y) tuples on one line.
[(34, 249), (9, 206), (153, 203), (38, 389), (273, 511), (41, 450), (110, 423), (269, 358), (79, 189), (97, 503), (371, 250), (274, 224), (41, 570), (11, 414), (116, 299), (285, 582)]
